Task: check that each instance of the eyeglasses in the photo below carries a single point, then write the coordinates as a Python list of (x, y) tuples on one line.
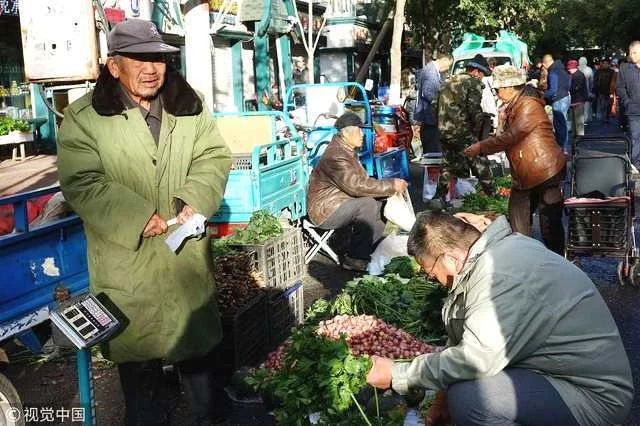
[(435, 262)]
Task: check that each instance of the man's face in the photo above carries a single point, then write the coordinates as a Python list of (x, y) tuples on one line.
[(476, 73), (141, 74), (356, 138), (604, 65), (441, 268), (634, 54)]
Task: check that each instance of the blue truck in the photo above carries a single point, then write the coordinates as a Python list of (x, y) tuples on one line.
[(269, 167), (37, 264)]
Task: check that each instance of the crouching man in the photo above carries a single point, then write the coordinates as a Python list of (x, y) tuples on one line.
[(530, 339), (342, 194)]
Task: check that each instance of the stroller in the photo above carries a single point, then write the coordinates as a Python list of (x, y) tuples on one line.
[(601, 206)]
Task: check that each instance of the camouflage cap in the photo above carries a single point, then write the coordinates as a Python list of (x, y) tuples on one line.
[(508, 76)]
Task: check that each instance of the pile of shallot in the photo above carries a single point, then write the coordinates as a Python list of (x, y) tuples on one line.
[(368, 335), (274, 359)]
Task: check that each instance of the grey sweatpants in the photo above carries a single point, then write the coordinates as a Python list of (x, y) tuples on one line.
[(514, 396)]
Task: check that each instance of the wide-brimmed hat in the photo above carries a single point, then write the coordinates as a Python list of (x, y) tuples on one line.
[(508, 76), (480, 63), (137, 36), (572, 64)]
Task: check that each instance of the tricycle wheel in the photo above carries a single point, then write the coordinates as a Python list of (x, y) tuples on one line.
[(623, 273), (11, 413), (634, 274)]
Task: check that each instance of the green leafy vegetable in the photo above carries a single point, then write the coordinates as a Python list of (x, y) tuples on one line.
[(414, 305), (262, 227), (404, 266), (317, 376), (8, 124)]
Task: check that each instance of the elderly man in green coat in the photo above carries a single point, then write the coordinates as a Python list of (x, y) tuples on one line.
[(137, 151)]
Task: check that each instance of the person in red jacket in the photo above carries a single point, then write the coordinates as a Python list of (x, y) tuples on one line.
[(537, 161)]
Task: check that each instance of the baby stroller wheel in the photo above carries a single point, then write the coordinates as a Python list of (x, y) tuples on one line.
[(634, 274), (623, 273)]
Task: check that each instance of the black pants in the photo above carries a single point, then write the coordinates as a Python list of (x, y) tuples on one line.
[(430, 138), (547, 198), (364, 215), (146, 393)]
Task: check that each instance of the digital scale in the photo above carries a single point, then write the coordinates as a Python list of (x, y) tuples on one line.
[(84, 320)]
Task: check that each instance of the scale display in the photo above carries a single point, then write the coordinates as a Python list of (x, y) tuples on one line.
[(84, 320)]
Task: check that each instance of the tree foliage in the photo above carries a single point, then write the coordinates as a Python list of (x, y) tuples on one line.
[(555, 26)]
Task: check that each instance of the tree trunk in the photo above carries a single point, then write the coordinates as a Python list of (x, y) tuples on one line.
[(396, 53), (364, 67)]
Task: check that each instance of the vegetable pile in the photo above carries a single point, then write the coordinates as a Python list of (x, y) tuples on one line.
[(479, 202), (237, 282), (315, 375), (322, 367), (8, 125), (413, 305), (368, 335), (404, 266), (262, 227)]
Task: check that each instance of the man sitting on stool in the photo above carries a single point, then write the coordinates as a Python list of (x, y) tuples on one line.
[(342, 194)]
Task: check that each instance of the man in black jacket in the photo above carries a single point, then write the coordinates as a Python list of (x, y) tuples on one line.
[(557, 95), (628, 90), (579, 95), (602, 86)]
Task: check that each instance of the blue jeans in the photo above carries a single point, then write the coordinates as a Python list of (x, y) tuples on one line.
[(634, 130), (560, 110), (513, 397)]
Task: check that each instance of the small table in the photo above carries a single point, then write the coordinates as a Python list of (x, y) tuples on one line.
[(17, 138)]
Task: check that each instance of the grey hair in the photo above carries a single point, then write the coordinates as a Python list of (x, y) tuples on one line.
[(437, 232)]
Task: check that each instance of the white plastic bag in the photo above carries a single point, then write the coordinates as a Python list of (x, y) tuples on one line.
[(399, 210), (392, 246), (465, 186), (430, 183)]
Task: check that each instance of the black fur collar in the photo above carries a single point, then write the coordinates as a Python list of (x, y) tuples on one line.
[(178, 98)]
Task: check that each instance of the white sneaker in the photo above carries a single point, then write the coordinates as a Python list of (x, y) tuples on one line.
[(634, 170)]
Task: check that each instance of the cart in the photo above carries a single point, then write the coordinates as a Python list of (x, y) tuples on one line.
[(315, 107), (268, 171), (37, 266)]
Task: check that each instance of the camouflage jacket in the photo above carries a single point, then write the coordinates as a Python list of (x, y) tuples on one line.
[(459, 110)]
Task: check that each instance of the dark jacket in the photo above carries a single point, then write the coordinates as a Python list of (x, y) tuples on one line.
[(602, 81), (528, 141), (428, 86), (339, 177), (579, 90), (558, 81), (628, 88)]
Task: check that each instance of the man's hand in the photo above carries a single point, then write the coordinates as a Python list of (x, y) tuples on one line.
[(186, 214), (400, 185), (156, 226), (477, 221), (472, 150), (380, 373), (438, 413)]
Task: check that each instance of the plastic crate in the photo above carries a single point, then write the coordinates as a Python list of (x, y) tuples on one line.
[(285, 310), (245, 336), (598, 227), (280, 260)]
